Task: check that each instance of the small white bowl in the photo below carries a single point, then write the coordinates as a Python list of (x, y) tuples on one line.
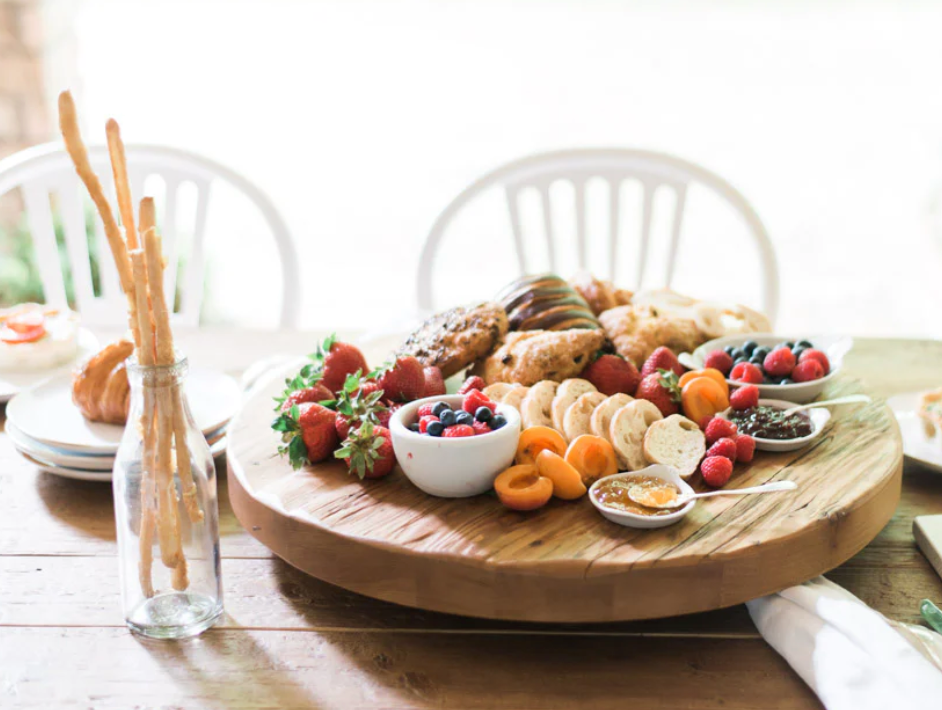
[(453, 468), (630, 520), (800, 392), (819, 417)]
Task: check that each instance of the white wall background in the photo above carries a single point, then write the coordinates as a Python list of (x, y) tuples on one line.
[(362, 119)]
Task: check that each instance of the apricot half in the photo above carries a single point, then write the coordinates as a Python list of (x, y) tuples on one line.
[(593, 457), (535, 439), (567, 481), (710, 372), (523, 488), (703, 397)]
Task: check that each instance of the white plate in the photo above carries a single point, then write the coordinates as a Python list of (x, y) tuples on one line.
[(819, 417), (922, 441), (12, 382), (46, 413)]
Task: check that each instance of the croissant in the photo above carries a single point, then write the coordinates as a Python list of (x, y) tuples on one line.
[(100, 387)]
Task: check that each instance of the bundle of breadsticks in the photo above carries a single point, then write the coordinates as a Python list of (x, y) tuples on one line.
[(138, 256)]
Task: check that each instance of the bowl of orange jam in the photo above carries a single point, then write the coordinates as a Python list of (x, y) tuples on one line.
[(659, 483)]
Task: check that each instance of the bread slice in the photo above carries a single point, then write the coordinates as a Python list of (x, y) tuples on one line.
[(577, 417), (602, 414), (567, 393), (676, 442), (627, 430), (496, 391), (514, 397), (537, 406)]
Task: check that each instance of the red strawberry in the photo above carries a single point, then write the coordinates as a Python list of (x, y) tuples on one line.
[(716, 471), (367, 387), (384, 415), (745, 448), (343, 424), (475, 399), (459, 430), (808, 370), (662, 359), (705, 422), (481, 428), (744, 398), (368, 452), (719, 360), (720, 428), (724, 447), (779, 363), (662, 391), (472, 383), (340, 360), (434, 382), (426, 410), (814, 354), (612, 374), (425, 420), (307, 432), (404, 381), (747, 372), (315, 393)]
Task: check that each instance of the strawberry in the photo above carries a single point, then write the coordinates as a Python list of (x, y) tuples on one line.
[(744, 398), (662, 359), (815, 354), (724, 447), (720, 428), (719, 360), (308, 433), (368, 451), (404, 380), (661, 389), (808, 370), (480, 427), (358, 401), (426, 410), (425, 420), (747, 372), (705, 422), (315, 393), (459, 430), (476, 399), (434, 382), (339, 360), (612, 374), (383, 416), (745, 448), (472, 383), (780, 362), (716, 471)]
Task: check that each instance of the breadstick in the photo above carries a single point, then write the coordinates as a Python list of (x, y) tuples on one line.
[(119, 166)]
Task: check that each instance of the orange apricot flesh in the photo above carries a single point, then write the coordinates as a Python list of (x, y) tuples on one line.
[(537, 438), (523, 488), (703, 397), (567, 481), (593, 457)]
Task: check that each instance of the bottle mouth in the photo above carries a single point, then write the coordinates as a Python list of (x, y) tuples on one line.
[(157, 374)]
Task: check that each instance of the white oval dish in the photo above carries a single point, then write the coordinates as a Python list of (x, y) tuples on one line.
[(622, 517), (453, 468), (819, 417), (835, 347)]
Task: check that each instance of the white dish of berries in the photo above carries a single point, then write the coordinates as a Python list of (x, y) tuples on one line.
[(791, 369)]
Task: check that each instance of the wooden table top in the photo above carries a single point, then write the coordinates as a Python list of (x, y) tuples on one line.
[(291, 641)]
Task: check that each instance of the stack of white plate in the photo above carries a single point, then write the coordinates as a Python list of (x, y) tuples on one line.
[(48, 429)]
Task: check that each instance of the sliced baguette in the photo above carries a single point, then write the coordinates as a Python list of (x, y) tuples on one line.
[(497, 391), (514, 398), (577, 417), (602, 415), (627, 430), (536, 408), (676, 442), (569, 391)]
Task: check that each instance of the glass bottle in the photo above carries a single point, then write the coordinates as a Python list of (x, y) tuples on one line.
[(165, 510)]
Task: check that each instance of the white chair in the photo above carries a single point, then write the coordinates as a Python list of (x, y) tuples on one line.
[(46, 170), (614, 166)]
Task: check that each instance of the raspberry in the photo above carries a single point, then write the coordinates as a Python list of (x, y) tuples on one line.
[(425, 420), (744, 398), (720, 428), (472, 383), (475, 399), (705, 422), (716, 471), (808, 370), (724, 447), (746, 372), (745, 448), (426, 410), (780, 362), (481, 428), (814, 354), (719, 360), (459, 430)]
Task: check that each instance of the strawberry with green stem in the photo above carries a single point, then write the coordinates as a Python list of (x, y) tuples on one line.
[(308, 433), (368, 451), (359, 401)]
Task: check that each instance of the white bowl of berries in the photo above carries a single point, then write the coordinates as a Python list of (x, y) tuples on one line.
[(792, 369), (453, 446)]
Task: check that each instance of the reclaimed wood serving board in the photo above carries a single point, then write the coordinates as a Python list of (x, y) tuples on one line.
[(564, 562)]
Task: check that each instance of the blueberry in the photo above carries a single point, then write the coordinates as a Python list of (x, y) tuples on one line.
[(756, 360), (729, 350), (497, 421), (435, 429), (749, 347), (439, 408), (739, 360), (737, 354), (414, 427), (464, 418), (483, 414), (762, 352), (785, 344), (447, 417), (797, 351), (786, 381), (806, 344)]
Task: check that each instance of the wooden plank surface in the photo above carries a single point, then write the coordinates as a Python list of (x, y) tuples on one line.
[(293, 641)]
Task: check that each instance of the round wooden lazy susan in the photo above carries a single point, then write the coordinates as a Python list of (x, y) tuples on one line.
[(564, 562)]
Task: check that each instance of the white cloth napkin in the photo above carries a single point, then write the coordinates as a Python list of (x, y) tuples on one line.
[(849, 654)]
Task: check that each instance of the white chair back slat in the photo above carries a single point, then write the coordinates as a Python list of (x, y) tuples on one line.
[(647, 210), (76, 242), (513, 210), (582, 222), (676, 223), (614, 225), (169, 235), (191, 296), (548, 229), (39, 221)]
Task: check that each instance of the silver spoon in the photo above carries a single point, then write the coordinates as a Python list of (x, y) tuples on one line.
[(638, 494), (849, 399)]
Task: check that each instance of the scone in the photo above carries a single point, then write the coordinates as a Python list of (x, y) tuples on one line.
[(527, 357), (602, 414), (576, 421), (627, 430), (567, 393), (637, 330), (676, 442), (536, 409), (455, 338), (600, 295)]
